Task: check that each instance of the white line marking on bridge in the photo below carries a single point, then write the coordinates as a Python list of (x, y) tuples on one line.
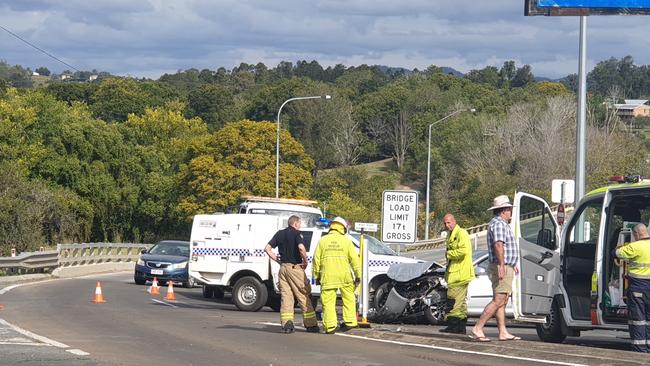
[(77, 352), (34, 335), (446, 348), (164, 303)]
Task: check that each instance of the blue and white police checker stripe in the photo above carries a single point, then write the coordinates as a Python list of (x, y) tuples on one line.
[(243, 252), (229, 252)]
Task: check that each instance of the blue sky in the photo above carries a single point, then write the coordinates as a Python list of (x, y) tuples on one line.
[(147, 38)]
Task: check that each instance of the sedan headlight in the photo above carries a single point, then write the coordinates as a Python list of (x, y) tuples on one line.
[(140, 262), (178, 265)]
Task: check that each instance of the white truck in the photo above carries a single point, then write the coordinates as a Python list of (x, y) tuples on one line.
[(569, 280), (227, 253)]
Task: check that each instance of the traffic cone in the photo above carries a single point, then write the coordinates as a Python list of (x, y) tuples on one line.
[(170, 292), (154, 289), (99, 299)]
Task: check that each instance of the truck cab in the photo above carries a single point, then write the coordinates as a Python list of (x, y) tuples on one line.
[(569, 279), (309, 213)]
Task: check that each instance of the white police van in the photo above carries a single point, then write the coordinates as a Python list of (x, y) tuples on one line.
[(227, 253), (569, 279)]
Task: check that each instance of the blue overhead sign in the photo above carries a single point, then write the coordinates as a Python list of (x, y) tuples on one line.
[(587, 7), (629, 4)]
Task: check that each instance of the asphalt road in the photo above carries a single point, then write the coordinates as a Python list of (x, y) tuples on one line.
[(132, 328)]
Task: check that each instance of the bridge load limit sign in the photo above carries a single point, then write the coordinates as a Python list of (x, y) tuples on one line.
[(399, 217)]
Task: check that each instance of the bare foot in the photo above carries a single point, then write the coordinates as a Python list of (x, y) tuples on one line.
[(474, 333)]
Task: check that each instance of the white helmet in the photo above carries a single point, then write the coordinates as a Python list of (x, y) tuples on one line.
[(340, 220)]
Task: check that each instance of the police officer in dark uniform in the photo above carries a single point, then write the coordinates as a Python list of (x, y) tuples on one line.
[(293, 280)]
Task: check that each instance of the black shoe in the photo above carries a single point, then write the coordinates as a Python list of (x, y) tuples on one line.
[(344, 327), (452, 325), (288, 327), (332, 331), (462, 326), (314, 329)]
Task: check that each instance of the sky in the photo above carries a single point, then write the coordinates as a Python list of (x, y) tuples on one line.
[(147, 38)]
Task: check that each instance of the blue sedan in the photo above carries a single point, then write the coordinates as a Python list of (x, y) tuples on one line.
[(167, 261)]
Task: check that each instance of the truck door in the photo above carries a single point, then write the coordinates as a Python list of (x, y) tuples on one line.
[(537, 236)]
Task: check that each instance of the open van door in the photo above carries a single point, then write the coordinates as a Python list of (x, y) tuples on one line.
[(537, 237)]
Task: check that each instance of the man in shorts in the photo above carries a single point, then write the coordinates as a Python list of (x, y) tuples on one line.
[(504, 261)]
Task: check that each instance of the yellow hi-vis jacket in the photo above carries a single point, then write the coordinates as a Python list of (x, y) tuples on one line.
[(638, 255), (335, 259), (460, 269)]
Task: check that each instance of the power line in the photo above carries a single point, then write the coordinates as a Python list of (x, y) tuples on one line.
[(39, 49)]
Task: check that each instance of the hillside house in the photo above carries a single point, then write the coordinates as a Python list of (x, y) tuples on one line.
[(633, 108)]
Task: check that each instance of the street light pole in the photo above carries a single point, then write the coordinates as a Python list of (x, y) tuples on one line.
[(277, 140), (426, 228)]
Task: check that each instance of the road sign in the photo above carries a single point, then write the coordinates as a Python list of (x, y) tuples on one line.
[(568, 185), (365, 226), (399, 216)]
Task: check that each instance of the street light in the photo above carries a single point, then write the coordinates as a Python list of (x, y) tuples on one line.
[(426, 229), (277, 141)]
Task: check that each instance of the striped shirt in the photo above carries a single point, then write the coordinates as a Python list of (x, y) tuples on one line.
[(499, 230)]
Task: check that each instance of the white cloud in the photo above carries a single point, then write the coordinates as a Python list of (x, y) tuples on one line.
[(146, 38)]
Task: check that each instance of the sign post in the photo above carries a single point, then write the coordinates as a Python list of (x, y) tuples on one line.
[(364, 291), (399, 217)]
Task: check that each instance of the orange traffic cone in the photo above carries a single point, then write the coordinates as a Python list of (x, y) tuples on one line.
[(99, 299), (170, 292), (154, 289)]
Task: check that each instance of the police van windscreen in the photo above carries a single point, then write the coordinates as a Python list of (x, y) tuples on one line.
[(307, 219), (374, 246)]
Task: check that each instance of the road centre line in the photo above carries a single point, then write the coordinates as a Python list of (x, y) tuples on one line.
[(446, 348)]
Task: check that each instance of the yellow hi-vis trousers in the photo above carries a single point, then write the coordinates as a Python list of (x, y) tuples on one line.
[(459, 294), (328, 299), (294, 283)]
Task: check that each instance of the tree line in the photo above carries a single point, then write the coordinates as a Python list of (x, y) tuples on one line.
[(122, 159)]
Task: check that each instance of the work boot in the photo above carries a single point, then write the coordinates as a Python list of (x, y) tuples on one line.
[(331, 331), (288, 327), (452, 325), (344, 327), (462, 326), (313, 329)]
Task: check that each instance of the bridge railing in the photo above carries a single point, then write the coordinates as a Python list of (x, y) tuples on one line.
[(71, 255)]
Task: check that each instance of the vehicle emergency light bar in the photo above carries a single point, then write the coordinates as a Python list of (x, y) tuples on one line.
[(280, 200), (629, 179)]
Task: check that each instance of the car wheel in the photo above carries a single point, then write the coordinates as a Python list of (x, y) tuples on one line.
[(249, 294), (381, 294), (551, 331), (139, 280), (436, 313), (189, 283)]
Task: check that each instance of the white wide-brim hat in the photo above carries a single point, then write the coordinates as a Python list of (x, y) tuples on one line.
[(500, 202)]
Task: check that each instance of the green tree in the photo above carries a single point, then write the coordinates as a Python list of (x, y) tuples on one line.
[(44, 71), (214, 104), (239, 159)]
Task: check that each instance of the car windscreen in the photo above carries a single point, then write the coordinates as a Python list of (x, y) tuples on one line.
[(374, 246), (171, 248)]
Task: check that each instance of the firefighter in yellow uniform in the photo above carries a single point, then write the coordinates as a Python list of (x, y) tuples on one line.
[(335, 259), (638, 298), (460, 272)]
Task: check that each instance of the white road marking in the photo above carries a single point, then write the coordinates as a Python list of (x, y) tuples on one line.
[(77, 352), (446, 348), (33, 335), (164, 303)]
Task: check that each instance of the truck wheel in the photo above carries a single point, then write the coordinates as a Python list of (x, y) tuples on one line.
[(551, 332), (189, 283), (274, 303), (249, 294)]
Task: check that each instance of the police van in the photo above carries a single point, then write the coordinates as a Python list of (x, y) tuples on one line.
[(569, 280), (227, 253)]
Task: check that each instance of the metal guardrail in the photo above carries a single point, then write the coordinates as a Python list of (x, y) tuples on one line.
[(70, 255), (474, 230)]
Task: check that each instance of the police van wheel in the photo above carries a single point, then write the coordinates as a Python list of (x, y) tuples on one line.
[(551, 332), (249, 294)]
